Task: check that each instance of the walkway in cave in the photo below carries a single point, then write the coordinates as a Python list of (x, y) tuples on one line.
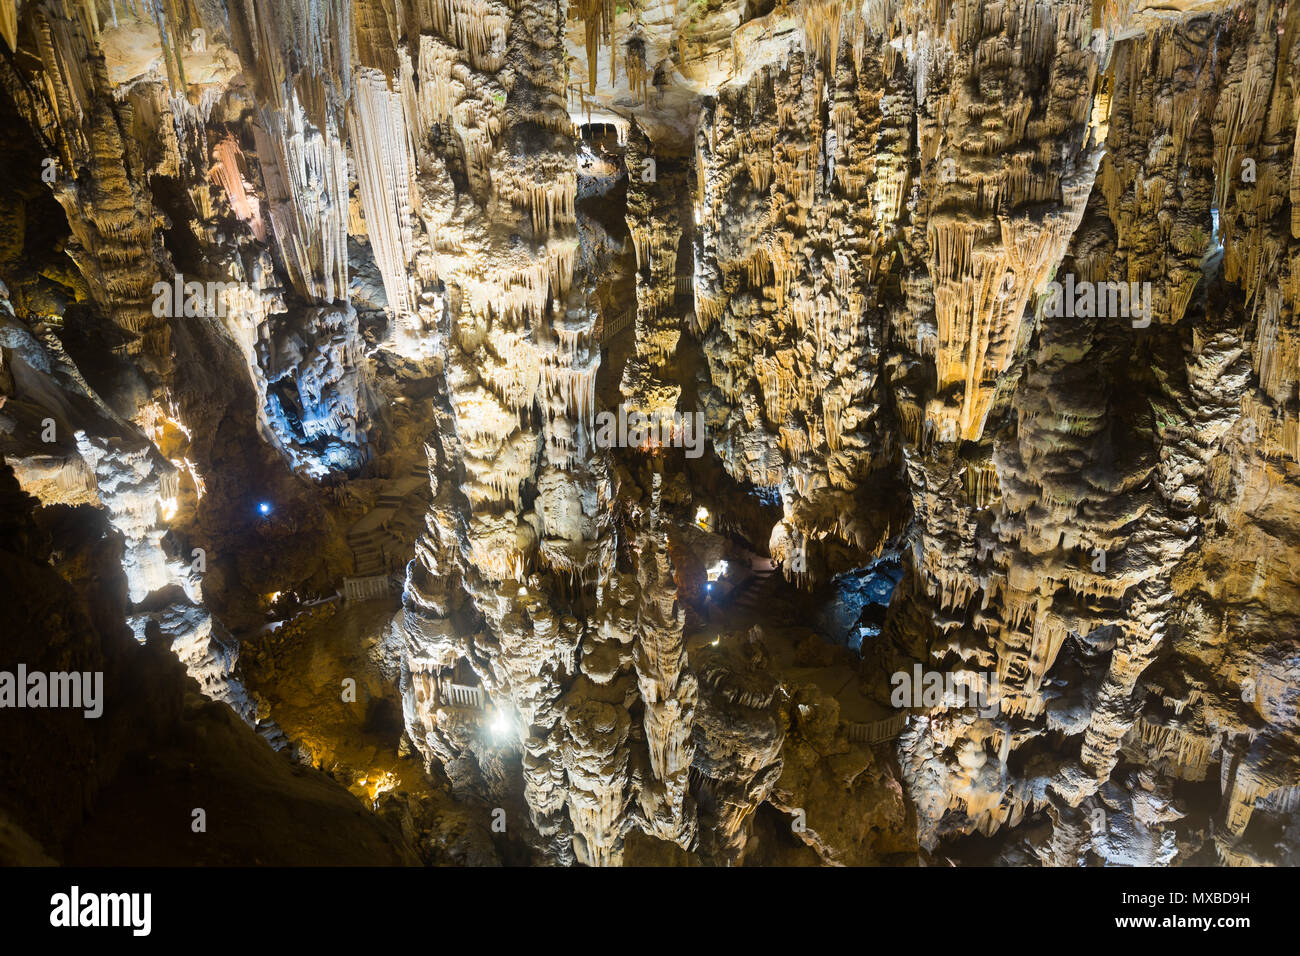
[(373, 537), (768, 601)]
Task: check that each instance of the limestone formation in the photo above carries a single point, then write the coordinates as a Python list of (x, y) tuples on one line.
[(951, 508)]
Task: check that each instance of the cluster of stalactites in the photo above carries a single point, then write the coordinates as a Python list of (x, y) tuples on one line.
[(385, 168), (305, 170), (598, 18), (799, 211), (228, 172)]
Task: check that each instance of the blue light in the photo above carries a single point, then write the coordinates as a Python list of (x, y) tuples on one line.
[(264, 507)]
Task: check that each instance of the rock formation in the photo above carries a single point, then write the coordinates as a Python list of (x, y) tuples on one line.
[(636, 396)]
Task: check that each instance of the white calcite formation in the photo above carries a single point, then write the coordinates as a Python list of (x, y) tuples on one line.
[(68, 448)]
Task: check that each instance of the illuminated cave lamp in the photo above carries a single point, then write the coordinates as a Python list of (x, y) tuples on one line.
[(500, 725), (264, 508)]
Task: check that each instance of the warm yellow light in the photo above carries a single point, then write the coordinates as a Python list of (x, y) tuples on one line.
[(376, 782)]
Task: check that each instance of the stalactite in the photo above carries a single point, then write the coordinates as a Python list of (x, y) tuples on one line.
[(228, 173), (385, 165)]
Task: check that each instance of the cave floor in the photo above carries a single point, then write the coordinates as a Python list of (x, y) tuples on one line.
[(768, 601)]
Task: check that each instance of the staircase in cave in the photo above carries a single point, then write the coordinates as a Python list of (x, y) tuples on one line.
[(371, 539), (755, 598)]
